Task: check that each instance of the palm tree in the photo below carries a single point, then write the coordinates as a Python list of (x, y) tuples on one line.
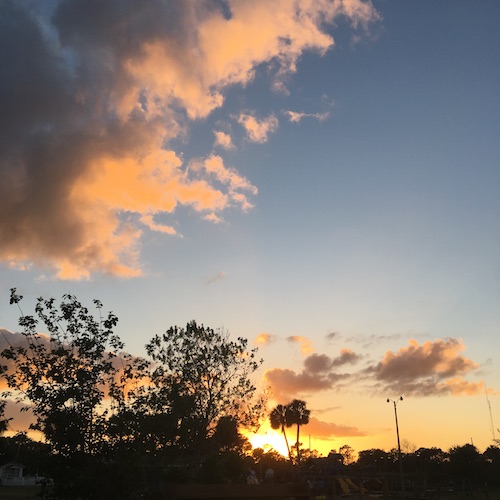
[(296, 413), (278, 420)]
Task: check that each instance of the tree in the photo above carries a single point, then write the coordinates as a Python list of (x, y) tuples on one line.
[(467, 464), (348, 454), (296, 413), (375, 459), (198, 376), (278, 420), (63, 374), (4, 422)]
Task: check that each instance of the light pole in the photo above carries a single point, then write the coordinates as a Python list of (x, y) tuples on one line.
[(395, 402)]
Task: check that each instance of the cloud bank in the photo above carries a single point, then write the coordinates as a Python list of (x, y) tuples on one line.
[(434, 368), (93, 94)]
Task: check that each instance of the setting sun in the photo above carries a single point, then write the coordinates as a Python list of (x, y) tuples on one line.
[(268, 439)]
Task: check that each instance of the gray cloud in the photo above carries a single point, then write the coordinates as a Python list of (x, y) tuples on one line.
[(318, 374), (432, 368)]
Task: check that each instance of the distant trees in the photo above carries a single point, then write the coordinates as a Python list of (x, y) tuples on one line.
[(294, 413), (467, 464)]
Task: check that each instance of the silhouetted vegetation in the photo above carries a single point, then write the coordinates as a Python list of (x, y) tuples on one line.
[(294, 413), (126, 422), (118, 426)]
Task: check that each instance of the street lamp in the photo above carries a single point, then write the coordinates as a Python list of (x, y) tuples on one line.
[(395, 402)]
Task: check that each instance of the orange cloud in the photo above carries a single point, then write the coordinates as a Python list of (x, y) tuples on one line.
[(305, 344), (265, 339), (223, 140), (258, 131), (321, 429)]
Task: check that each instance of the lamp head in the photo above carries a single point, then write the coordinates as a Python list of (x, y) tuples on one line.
[(388, 400), (401, 398)]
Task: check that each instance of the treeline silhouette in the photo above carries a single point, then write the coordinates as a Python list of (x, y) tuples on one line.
[(114, 425)]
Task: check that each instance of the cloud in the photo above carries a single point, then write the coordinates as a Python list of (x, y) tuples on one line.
[(305, 344), (258, 131), (148, 221), (296, 117), (218, 277), (223, 140), (326, 430), (265, 339), (90, 117), (319, 373), (330, 336), (213, 218), (431, 368)]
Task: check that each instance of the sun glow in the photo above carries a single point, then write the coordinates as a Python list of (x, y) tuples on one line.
[(268, 439)]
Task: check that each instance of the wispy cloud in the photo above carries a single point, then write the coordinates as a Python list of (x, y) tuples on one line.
[(331, 336), (306, 346), (148, 221), (296, 117), (325, 430), (218, 277), (258, 130), (264, 339)]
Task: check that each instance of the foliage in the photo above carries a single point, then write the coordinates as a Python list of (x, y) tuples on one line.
[(348, 454), (34, 455), (63, 375), (375, 459), (467, 464), (4, 422), (297, 414), (200, 375), (294, 413), (278, 420), (72, 379)]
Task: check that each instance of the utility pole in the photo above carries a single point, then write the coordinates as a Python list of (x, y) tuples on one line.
[(395, 402)]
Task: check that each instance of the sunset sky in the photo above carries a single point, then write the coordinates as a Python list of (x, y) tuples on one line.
[(320, 177)]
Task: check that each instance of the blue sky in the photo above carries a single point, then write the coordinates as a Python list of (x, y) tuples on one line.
[(368, 223)]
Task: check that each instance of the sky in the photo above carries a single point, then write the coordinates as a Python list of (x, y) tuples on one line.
[(319, 177)]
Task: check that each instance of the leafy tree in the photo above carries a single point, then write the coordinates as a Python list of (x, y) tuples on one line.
[(296, 413), (278, 420), (375, 459), (63, 374), (4, 422), (467, 464), (227, 436), (73, 378), (198, 376), (348, 454)]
